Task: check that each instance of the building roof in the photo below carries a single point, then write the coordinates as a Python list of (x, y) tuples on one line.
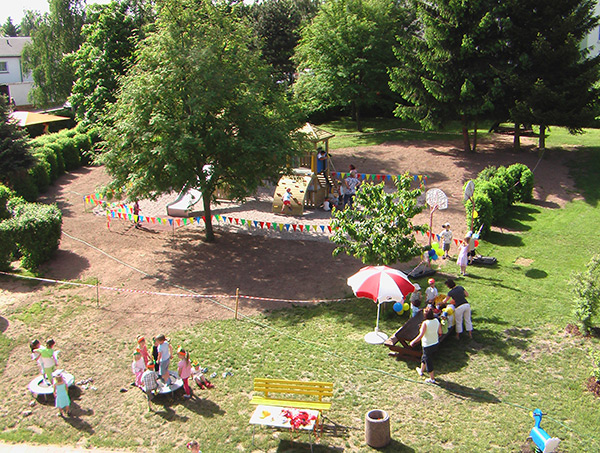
[(12, 47)]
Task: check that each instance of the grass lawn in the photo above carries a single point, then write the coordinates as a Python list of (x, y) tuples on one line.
[(519, 359)]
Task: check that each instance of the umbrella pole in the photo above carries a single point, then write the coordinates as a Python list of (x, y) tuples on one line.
[(377, 324)]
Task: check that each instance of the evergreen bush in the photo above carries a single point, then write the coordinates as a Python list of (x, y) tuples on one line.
[(484, 209), (5, 195), (523, 182)]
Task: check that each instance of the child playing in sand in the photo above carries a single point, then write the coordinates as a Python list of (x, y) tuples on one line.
[(184, 368), (137, 367), (143, 349), (200, 379), (61, 396)]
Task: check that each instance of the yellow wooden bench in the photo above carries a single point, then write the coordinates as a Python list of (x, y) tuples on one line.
[(272, 392)]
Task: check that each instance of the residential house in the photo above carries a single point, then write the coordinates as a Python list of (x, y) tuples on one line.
[(14, 82)]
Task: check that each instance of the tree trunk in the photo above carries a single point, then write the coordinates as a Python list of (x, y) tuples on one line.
[(209, 232), (517, 137), (542, 140), (357, 116), (474, 136), (465, 133)]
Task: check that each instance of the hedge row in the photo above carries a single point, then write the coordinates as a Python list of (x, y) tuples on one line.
[(496, 190), (55, 153), (30, 231)]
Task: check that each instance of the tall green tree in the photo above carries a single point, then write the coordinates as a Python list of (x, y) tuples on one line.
[(549, 79), (198, 95), (344, 54), (277, 23), (57, 34), (9, 29), (379, 230), (15, 155), (30, 22), (446, 70), (107, 52)]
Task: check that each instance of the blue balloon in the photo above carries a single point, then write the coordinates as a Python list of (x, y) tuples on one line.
[(398, 307), (434, 257), (431, 253)]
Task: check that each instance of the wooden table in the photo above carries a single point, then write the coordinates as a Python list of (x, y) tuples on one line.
[(272, 417)]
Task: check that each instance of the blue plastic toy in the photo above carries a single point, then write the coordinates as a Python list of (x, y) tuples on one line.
[(541, 439)]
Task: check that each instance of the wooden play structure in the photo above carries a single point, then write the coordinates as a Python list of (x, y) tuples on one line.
[(307, 191), (319, 139)]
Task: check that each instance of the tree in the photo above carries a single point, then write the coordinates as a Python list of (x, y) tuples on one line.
[(9, 29), (109, 41), (15, 157), (379, 229), (344, 54), (550, 79), (277, 24), (57, 34), (30, 22), (198, 95), (446, 70)]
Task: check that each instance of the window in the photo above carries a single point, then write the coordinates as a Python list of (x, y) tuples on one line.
[(3, 66)]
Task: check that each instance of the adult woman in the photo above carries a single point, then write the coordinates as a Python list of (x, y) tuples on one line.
[(429, 336), (457, 296)]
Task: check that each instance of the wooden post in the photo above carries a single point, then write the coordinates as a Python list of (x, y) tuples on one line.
[(237, 301)]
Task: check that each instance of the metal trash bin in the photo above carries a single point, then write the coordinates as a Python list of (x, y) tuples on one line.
[(377, 428)]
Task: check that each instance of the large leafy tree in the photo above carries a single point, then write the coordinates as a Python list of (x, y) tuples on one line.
[(57, 34), (446, 70), (15, 156), (277, 23), (107, 52), (549, 78), (344, 54), (199, 94), (30, 22), (379, 230)]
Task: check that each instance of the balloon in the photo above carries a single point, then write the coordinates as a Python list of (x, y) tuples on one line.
[(398, 307), (434, 257), (406, 306), (476, 243), (435, 246), (431, 253)]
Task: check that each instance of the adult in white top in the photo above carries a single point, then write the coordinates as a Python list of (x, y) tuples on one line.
[(429, 336)]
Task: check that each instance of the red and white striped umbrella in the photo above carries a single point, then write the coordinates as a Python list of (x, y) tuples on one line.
[(380, 283)]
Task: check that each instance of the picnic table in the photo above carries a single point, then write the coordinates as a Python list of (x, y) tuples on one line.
[(399, 343)]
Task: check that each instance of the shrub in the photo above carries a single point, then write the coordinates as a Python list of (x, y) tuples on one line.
[(496, 195), (24, 186), (60, 162), (586, 286), (83, 144), (7, 244), (484, 209), (36, 228), (40, 174), (49, 155), (5, 195), (487, 173), (69, 152), (523, 182)]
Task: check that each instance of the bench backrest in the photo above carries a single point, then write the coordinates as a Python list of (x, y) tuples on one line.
[(310, 388)]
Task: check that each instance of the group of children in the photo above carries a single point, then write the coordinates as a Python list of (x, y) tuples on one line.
[(432, 299), (47, 359), (150, 380)]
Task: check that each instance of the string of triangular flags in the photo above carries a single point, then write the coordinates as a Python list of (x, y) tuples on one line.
[(421, 179), (438, 238), (123, 211)]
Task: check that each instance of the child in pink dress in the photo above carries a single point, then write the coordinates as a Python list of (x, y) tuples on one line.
[(138, 367), (184, 368), (143, 349)]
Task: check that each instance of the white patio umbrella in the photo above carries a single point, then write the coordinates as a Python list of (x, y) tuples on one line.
[(380, 284)]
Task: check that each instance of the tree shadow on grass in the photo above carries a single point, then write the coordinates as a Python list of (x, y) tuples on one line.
[(467, 393), (536, 273), (3, 324), (516, 216), (584, 170), (504, 239)]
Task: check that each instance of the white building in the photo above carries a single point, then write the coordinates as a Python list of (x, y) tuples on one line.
[(592, 40), (13, 81)]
